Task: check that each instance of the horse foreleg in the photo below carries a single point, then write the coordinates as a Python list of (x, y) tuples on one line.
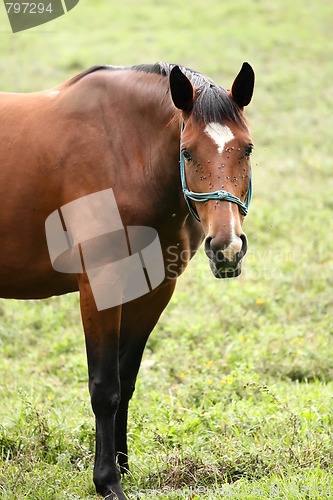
[(138, 320), (130, 359), (102, 342)]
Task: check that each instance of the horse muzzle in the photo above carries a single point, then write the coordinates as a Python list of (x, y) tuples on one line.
[(226, 260)]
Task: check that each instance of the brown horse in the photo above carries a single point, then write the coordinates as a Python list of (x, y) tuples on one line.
[(122, 129)]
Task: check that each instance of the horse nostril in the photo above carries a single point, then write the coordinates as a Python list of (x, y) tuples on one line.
[(244, 246), (214, 248), (208, 250)]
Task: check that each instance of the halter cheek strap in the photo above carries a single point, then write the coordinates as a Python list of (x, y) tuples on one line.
[(214, 195)]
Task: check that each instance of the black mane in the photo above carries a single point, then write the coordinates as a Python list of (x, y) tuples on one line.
[(212, 103)]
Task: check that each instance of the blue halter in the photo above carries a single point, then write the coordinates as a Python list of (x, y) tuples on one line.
[(215, 195)]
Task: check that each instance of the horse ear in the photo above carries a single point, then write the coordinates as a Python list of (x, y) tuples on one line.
[(242, 88), (181, 90)]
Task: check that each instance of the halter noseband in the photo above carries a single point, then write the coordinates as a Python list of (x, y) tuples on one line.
[(215, 195)]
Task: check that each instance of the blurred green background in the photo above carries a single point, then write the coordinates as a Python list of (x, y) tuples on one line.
[(234, 398)]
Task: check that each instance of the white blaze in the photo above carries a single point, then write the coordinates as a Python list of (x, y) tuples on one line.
[(236, 243), (220, 134)]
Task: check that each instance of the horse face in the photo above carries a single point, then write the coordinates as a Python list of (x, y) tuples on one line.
[(216, 156)]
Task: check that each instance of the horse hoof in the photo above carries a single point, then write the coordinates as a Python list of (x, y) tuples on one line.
[(114, 493), (112, 496)]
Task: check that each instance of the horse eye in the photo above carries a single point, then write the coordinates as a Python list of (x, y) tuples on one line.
[(187, 155), (248, 150)]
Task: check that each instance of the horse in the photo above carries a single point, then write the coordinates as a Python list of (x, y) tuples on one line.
[(167, 149)]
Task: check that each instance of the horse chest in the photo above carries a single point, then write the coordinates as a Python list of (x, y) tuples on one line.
[(180, 250)]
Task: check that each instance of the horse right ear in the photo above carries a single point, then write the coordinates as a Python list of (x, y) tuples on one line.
[(181, 90)]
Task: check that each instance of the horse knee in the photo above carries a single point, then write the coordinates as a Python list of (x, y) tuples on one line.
[(104, 399)]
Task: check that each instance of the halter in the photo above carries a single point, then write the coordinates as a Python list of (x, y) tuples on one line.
[(215, 195)]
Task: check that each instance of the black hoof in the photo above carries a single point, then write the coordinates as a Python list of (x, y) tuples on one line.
[(115, 496), (114, 492)]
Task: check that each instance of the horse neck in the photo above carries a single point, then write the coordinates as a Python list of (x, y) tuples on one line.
[(153, 126)]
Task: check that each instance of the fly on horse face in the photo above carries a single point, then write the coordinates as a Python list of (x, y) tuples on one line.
[(174, 148)]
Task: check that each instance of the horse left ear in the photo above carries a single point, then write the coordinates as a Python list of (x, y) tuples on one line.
[(242, 88), (181, 90)]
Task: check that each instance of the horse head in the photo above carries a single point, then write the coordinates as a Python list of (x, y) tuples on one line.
[(215, 164)]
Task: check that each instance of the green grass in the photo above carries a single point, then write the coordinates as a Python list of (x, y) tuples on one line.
[(234, 398)]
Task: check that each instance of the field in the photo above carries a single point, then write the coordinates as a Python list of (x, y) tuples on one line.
[(234, 397)]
